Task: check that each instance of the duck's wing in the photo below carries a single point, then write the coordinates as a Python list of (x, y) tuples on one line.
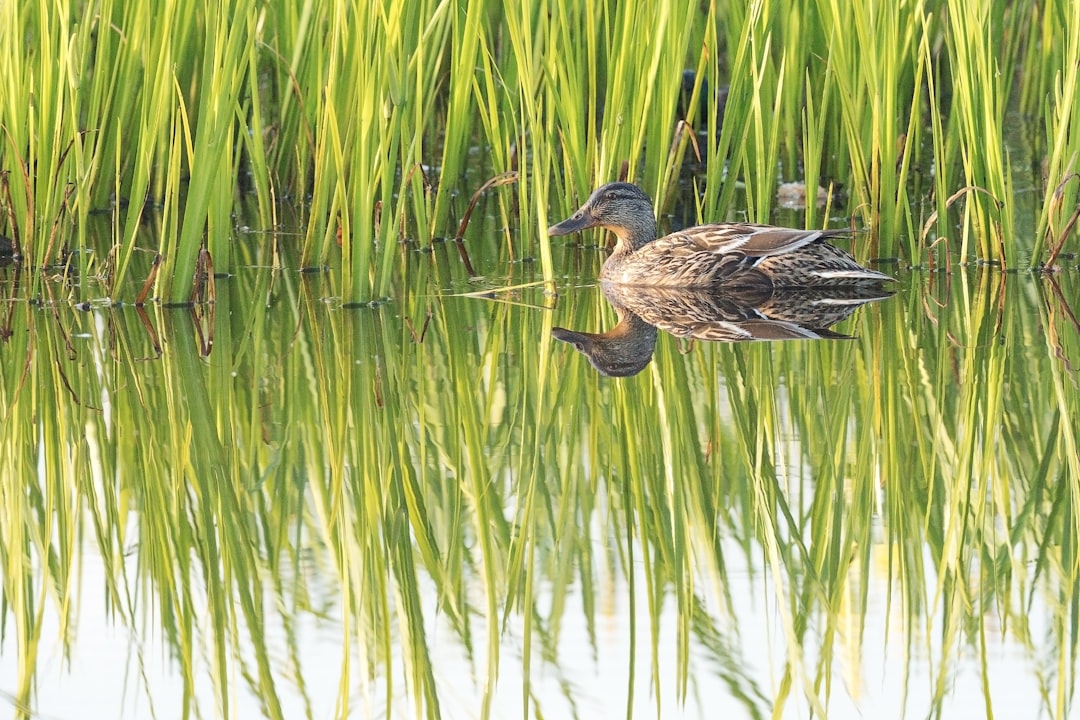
[(685, 260), (751, 240)]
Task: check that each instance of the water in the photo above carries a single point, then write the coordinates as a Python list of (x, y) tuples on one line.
[(292, 508)]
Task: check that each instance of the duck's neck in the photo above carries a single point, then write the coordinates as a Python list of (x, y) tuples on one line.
[(635, 236)]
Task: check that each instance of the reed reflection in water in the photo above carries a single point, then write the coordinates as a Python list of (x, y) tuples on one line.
[(416, 508)]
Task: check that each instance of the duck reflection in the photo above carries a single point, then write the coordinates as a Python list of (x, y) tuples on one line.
[(735, 316)]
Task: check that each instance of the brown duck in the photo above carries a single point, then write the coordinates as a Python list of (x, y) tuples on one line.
[(722, 255)]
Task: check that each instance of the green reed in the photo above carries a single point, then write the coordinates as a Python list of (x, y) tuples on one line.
[(188, 107), (980, 42), (1058, 74)]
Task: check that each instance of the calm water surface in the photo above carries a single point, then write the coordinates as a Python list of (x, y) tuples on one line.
[(290, 508)]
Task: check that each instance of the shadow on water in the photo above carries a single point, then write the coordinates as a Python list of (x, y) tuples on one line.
[(731, 316)]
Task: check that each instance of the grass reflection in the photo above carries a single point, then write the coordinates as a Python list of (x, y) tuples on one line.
[(377, 116), (396, 493)]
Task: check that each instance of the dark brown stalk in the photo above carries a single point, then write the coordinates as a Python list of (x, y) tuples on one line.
[(505, 178)]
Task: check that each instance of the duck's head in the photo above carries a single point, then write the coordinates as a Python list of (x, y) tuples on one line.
[(622, 208)]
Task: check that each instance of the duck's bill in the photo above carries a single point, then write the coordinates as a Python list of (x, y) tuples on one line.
[(575, 223), (567, 336)]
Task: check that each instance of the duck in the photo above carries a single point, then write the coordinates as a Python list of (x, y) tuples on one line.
[(713, 256)]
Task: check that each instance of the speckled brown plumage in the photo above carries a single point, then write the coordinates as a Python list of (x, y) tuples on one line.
[(727, 255)]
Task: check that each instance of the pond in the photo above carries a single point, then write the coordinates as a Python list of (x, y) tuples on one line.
[(278, 505)]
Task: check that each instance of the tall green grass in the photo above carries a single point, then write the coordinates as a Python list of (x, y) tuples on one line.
[(376, 118)]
